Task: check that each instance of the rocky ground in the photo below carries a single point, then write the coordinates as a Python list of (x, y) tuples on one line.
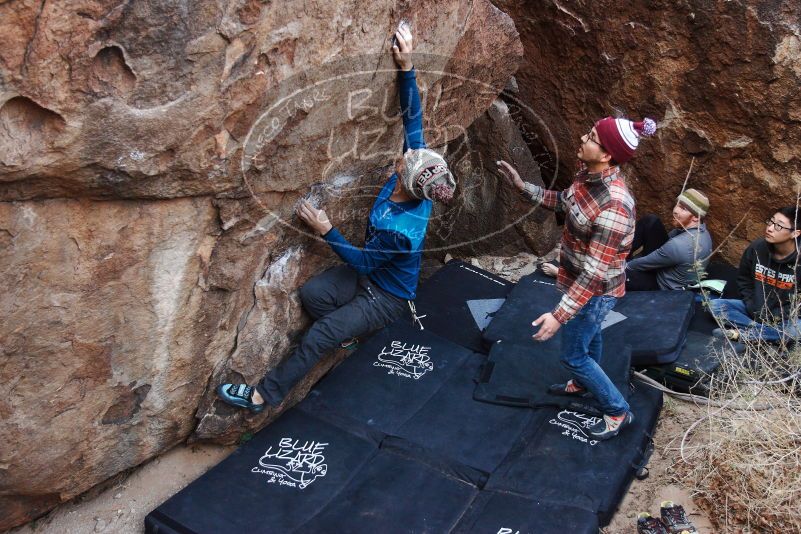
[(662, 483), (120, 505)]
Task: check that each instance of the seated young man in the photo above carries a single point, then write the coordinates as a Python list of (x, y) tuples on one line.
[(767, 309), (671, 260), (372, 289)]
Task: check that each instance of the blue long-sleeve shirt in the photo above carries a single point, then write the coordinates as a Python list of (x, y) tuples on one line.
[(392, 250)]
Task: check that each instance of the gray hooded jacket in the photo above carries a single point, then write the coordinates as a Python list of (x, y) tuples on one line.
[(674, 262)]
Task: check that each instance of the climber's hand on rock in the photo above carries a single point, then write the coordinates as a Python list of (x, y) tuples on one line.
[(511, 174), (316, 219), (402, 50)]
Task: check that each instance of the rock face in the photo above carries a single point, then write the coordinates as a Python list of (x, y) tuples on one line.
[(494, 136), (151, 154), (721, 78)]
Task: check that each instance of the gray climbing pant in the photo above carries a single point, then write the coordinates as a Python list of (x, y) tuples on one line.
[(344, 305)]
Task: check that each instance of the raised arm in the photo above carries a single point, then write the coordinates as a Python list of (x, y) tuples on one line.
[(539, 196), (409, 95)]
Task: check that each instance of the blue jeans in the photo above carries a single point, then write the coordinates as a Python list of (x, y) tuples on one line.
[(581, 354), (734, 312)]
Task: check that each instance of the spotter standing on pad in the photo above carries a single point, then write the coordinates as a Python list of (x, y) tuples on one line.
[(377, 281), (599, 228)]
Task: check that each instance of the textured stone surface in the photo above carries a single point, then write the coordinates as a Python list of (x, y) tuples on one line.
[(721, 78), (151, 155), (464, 228), (102, 339)]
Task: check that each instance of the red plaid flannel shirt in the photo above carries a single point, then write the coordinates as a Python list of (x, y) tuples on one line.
[(599, 228)]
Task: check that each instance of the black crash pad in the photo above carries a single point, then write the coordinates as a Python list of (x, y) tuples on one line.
[(558, 462), (702, 321), (697, 360), (396, 492), (455, 426), (447, 297), (392, 441), (436, 411), (533, 295), (504, 513), (519, 375), (654, 327), (288, 472), (389, 378)]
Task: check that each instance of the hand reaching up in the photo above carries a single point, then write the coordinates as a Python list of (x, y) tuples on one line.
[(402, 50)]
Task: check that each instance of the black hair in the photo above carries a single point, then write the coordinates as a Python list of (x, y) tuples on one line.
[(793, 213)]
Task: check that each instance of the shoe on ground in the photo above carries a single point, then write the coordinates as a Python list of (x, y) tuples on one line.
[(564, 390), (726, 333), (607, 428), (240, 395), (647, 524), (675, 519)]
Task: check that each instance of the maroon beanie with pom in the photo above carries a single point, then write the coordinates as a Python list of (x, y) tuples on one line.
[(620, 137)]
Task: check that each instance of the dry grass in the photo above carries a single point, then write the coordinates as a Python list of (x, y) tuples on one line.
[(743, 459)]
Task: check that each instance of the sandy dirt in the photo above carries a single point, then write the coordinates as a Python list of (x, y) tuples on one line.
[(122, 506), (662, 484)]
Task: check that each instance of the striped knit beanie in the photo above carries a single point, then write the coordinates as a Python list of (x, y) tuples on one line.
[(695, 201), (620, 137), (426, 175)]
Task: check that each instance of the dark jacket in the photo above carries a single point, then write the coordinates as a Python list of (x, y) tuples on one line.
[(767, 284)]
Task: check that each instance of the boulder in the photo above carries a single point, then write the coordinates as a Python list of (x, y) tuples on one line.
[(516, 225), (151, 155)]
